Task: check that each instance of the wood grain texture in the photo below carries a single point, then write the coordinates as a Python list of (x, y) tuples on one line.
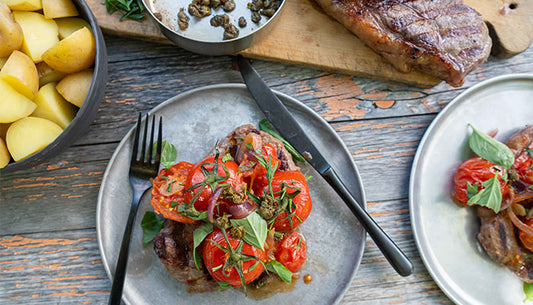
[(306, 36), (48, 247)]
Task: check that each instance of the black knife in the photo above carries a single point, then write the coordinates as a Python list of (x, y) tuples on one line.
[(276, 112)]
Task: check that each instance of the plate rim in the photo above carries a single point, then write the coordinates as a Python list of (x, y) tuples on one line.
[(415, 223), (233, 86)]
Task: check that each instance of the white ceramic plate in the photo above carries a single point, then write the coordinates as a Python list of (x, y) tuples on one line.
[(194, 121), (445, 233)]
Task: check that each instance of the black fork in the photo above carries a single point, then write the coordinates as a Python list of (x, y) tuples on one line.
[(141, 171)]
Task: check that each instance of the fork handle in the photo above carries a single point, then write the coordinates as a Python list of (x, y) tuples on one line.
[(122, 262)]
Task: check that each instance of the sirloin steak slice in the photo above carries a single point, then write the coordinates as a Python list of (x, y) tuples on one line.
[(443, 38)]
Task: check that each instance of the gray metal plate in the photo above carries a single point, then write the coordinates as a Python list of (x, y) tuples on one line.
[(445, 233), (194, 121)]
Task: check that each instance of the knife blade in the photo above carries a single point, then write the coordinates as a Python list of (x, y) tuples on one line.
[(280, 117)]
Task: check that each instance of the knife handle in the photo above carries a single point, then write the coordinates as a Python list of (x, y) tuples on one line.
[(399, 261)]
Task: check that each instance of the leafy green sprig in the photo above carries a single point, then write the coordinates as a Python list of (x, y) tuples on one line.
[(131, 9)]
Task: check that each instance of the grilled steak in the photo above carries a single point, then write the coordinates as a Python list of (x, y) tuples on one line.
[(174, 245), (443, 38), (498, 238)]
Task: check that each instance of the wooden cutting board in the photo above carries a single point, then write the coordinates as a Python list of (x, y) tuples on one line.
[(306, 36)]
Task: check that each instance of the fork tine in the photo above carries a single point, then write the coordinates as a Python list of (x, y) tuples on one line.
[(145, 135), (136, 141), (159, 142), (150, 159)]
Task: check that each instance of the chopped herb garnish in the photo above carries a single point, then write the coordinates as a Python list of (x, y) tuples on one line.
[(174, 203), (169, 187), (529, 151), (531, 187), (279, 269)]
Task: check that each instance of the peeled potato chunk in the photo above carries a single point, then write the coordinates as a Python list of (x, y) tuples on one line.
[(59, 8), (4, 154), (40, 34), (75, 87), (72, 54), (13, 105), (47, 74), (29, 135), (52, 106), (23, 5), (20, 66), (70, 25), (10, 32)]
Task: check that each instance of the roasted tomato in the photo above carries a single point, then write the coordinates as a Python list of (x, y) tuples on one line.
[(523, 165), (203, 180), (476, 170), (291, 252), (168, 191), (253, 171), (295, 210), (223, 263)]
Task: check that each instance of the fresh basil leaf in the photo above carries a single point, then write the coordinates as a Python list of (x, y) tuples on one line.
[(490, 149), (279, 269), (151, 225), (255, 229), (264, 125), (490, 196), (198, 236), (471, 189), (531, 187), (227, 157), (168, 154), (529, 151), (528, 291)]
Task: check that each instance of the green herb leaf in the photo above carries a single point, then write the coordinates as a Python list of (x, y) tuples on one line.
[(529, 151), (531, 187), (168, 154), (490, 196), (264, 125), (490, 149), (255, 229), (198, 236), (528, 291), (471, 189), (131, 9), (227, 157), (223, 285), (151, 225), (279, 269)]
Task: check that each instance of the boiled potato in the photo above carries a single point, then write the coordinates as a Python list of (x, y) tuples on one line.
[(13, 105), (59, 8), (4, 154), (75, 87), (40, 34), (70, 25), (20, 66), (23, 5), (72, 54), (10, 32), (29, 135), (52, 106), (47, 74)]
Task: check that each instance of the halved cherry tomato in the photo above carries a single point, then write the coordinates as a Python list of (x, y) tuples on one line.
[(476, 170), (291, 252), (214, 259), (197, 176), (168, 191), (288, 182), (523, 164), (253, 171)]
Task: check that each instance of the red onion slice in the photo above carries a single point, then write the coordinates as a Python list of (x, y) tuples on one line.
[(241, 210), (518, 223), (212, 202)]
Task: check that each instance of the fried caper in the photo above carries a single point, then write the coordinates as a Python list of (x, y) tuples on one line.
[(242, 22), (230, 31)]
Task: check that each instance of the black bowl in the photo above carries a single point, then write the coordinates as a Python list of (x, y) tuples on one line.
[(88, 110)]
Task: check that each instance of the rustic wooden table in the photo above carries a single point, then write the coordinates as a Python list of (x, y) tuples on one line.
[(48, 247)]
